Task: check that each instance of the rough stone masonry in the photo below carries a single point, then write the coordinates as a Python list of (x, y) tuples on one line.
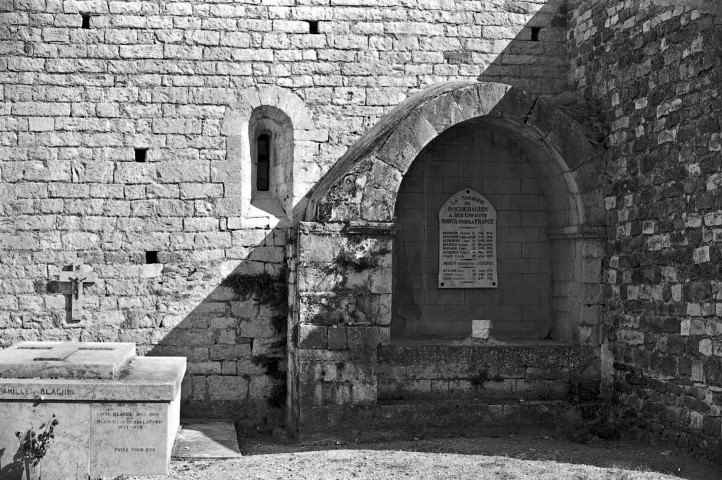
[(653, 70), (127, 139)]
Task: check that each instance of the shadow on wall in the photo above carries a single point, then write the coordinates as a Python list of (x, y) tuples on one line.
[(235, 337), (566, 163), (12, 468), (533, 57), (224, 309), (492, 161), (536, 60)]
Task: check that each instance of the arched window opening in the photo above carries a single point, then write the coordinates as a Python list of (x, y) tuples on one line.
[(270, 179), (263, 163)]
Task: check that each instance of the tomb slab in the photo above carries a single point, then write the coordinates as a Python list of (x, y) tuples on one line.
[(65, 359), (108, 425)]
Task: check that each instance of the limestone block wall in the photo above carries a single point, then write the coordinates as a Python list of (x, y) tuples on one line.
[(653, 68), (577, 300), (340, 314), (529, 372), (83, 84), (476, 156)]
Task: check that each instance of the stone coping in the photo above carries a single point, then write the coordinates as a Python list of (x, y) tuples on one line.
[(65, 360), (467, 342), (598, 232), (471, 356), (148, 379)]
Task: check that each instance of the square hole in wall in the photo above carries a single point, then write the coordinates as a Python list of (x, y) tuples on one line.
[(141, 155), (535, 33), (313, 27), (151, 257), (86, 21)]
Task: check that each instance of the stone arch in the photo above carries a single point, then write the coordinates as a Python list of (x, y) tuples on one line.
[(362, 188), (265, 104), (363, 184)]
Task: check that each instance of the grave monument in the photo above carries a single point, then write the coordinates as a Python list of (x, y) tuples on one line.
[(112, 413)]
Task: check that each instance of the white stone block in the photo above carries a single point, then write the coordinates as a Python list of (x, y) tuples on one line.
[(481, 329)]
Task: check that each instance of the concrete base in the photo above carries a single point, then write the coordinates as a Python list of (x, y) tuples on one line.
[(531, 371), (204, 438), (464, 389), (406, 420)]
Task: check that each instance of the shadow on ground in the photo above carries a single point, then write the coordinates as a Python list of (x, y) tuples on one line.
[(620, 454)]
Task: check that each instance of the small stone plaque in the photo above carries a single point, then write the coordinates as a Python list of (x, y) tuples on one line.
[(131, 438), (467, 242)]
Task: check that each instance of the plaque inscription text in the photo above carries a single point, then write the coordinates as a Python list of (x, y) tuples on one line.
[(467, 242)]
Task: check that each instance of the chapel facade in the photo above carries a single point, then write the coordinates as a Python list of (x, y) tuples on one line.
[(270, 190)]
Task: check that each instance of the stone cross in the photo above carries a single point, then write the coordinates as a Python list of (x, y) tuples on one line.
[(79, 275)]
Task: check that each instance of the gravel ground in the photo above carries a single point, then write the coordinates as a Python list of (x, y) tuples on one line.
[(507, 458)]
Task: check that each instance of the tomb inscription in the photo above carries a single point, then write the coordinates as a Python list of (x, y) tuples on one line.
[(467, 242), (131, 437)]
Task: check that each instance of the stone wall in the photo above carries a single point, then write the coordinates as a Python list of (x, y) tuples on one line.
[(650, 70), (341, 263), (472, 155), (501, 372), (340, 313), (83, 84)]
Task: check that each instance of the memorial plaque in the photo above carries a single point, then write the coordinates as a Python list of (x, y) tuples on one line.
[(467, 242)]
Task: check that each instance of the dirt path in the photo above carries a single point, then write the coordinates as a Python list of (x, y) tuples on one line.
[(503, 458)]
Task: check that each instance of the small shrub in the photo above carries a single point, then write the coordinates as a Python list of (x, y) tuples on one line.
[(265, 289), (360, 257), (572, 426), (35, 445), (479, 379)]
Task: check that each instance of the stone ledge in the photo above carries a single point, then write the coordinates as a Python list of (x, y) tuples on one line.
[(513, 372), (540, 356), (597, 232), (81, 360), (152, 379), (399, 420), (371, 228)]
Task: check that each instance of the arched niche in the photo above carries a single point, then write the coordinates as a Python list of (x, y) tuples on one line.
[(362, 188), (529, 196), (340, 280)]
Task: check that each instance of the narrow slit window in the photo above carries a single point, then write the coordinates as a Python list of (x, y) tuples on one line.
[(313, 27), (535, 33), (86, 22), (151, 257), (263, 163)]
